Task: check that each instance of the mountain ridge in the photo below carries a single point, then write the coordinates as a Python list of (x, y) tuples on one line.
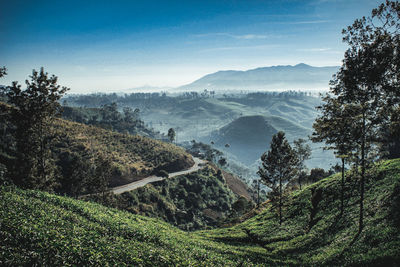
[(280, 77)]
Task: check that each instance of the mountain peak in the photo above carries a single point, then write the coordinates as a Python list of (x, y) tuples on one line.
[(302, 65)]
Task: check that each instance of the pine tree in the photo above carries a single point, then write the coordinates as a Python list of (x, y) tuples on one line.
[(278, 167)]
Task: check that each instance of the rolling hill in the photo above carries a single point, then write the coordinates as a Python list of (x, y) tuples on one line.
[(249, 136), (131, 157), (40, 228), (298, 77)]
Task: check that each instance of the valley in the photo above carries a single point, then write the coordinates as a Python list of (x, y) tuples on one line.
[(236, 154), (244, 121)]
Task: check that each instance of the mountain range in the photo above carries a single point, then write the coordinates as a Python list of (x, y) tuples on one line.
[(274, 78)]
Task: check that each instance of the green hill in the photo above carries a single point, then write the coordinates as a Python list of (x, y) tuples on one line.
[(132, 156), (40, 228), (313, 233), (77, 146), (249, 136)]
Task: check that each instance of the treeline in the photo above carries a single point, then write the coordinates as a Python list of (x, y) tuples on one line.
[(157, 99), (109, 117)]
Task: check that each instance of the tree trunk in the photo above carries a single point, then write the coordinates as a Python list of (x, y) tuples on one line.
[(300, 179), (362, 181), (258, 192), (280, 200), (342, 193)]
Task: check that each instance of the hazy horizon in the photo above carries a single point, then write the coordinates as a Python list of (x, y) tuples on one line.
[(99, 46)]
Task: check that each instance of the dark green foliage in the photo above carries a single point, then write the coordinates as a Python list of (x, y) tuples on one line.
[(171, 134), (3, 72), (191, 201), (303, 152), (364, 93), (278, 168), (34, 110), (163, 174), (317, 174)]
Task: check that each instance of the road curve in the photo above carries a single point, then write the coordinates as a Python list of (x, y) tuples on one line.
[(150, 179)]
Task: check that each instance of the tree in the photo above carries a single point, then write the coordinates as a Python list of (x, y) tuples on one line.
[(3, 72), (34, 110), (222, 162), (278, 167), (3, 137), (256, 191), (171, 134), (303, 152), (335, 127), (365, 88)]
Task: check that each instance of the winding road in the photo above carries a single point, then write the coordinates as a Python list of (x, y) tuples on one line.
[(150, 179)]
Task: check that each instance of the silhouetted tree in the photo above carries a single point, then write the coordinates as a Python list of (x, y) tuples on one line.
[(171, 134), (34, 110), (278, 167), (366, 86)]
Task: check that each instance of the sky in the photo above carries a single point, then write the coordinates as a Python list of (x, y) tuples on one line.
[(111, 46)]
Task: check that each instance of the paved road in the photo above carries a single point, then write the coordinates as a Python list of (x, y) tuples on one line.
[(150, 179)]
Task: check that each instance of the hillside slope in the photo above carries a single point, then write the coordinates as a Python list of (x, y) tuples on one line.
[(314, 233), (38, 227), (132, 156), (76, 146)]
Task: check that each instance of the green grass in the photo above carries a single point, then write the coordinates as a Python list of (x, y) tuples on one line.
[(331, 240), (40, 228), (37, 227)]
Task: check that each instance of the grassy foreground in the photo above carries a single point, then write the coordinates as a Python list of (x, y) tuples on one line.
[(37, 227)]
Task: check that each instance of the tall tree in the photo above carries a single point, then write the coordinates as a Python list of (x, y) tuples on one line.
[(34, 110), (278, 167), (303, 152), (365, 88), (4, 141), (370, 76), (334, 127), (171, 134)]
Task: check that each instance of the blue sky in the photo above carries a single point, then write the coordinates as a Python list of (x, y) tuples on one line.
[(115, 45)]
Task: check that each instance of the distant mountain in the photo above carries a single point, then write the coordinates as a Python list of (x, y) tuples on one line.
[(298, 77)]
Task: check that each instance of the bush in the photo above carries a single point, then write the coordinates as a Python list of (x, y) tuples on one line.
[(163, 174)]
